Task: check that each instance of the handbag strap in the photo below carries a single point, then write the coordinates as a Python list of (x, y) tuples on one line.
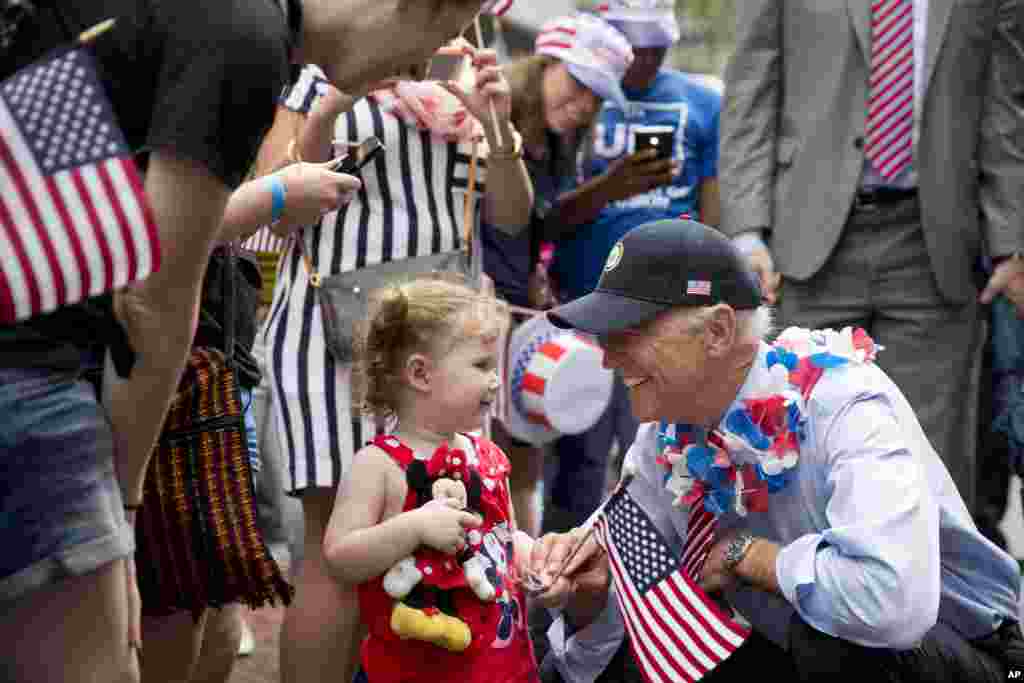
[(316, 279), (229, 288)]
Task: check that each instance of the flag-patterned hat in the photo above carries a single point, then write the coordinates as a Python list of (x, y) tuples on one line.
[(646, 23), (595, 52), (556, 382)]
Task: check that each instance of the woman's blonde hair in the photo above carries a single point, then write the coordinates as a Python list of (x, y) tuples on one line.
[(428, 314)]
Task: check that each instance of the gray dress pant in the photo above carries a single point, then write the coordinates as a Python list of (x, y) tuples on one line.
[(880, 278)]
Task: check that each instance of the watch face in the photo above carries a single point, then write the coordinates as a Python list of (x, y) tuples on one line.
[(737, 549)]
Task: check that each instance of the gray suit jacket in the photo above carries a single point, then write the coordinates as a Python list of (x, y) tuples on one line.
[(793, 124)]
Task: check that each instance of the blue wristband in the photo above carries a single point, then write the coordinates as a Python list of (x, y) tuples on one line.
[(277, 197)]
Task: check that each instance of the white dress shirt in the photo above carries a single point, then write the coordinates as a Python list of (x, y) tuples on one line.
[(876, 543)]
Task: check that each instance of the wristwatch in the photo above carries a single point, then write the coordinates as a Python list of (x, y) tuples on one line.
[(737, 549)]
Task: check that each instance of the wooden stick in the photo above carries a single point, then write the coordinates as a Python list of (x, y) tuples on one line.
[(468, 206), (494, 113), (91, 34), (538, 586)]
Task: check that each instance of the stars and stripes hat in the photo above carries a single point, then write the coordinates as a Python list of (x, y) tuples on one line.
[(658, 266), (645, 23), (596, 54), (555, 380)]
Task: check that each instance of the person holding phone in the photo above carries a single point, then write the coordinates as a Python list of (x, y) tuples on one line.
[(623, 182), (412, 203)]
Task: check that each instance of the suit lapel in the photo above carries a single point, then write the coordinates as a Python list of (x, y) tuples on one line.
[(860, 15), (938, 23)]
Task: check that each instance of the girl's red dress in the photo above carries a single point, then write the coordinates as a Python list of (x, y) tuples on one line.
[(500, 650)]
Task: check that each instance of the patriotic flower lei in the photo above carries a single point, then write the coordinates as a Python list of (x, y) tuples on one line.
[(756, 451)]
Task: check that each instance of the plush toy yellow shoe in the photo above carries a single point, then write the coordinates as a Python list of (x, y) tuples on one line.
[(437, 627)]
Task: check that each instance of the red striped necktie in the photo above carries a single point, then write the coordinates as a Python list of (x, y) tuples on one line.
[(890, 121)]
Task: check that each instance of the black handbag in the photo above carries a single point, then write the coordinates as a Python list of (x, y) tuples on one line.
[(344, 297)]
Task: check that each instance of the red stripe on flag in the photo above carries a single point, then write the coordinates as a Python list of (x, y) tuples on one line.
[(81, 264), (97, 228), (720, 617), (554, 43), (538, 419), (7, 310), (114, 198), (131, 172), (552, 350), (640, 633), (534, 383), (7, 221), (688, 627), (29, 202)]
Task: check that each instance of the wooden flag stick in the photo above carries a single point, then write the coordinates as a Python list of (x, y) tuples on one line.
[(91, 34), (494, 113)]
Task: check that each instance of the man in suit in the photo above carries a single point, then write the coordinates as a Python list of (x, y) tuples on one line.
[(870, 151)]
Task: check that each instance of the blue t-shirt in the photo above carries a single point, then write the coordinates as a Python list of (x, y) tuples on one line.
[(676, 100)]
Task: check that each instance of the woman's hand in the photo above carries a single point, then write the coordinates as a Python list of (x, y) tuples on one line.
[(490, 87), (311, 190)]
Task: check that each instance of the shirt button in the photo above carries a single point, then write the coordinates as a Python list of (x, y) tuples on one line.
[(858, 142)]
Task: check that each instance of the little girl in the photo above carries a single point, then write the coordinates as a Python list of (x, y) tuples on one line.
[(423, 522)]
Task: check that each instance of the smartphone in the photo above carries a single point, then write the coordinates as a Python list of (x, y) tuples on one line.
[(359, 156), (660, 138), (446, 66)]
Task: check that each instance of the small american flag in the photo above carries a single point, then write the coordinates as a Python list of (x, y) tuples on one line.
[(496, 7), (74, 221), (699, 287), (676, 631)]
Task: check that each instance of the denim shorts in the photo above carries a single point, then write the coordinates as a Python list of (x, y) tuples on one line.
[(61, 512)]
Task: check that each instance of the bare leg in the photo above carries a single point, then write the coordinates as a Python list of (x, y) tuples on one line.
[(170, 647), (321, 631), (159, 314), (75, 631), (220, 645)]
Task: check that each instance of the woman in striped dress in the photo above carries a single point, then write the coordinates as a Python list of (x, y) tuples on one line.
[(411, 204)]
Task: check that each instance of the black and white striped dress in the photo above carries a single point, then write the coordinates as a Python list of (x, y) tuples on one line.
[(411, 204)]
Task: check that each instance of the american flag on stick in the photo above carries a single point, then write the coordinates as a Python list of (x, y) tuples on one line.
[(676, 631), (497, 8), (74, 220)]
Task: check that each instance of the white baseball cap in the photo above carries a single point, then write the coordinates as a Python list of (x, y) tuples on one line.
[(595, 52), (645, 23)]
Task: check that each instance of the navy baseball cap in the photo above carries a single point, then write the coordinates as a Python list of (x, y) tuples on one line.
[(657, 266)]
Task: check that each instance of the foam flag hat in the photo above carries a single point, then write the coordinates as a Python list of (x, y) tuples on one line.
[(556, 382)]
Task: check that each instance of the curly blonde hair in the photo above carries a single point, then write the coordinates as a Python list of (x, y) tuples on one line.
[(428, 314)]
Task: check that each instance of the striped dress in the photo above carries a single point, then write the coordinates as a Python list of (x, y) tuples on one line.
[(411, 204)]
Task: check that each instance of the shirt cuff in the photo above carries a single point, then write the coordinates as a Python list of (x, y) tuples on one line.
[(749, 241), (794, 568), (581, 656)]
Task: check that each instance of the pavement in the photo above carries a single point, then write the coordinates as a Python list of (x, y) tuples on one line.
[(262, 665)]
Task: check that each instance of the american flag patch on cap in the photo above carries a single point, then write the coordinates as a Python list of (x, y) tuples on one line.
[(698, 287)]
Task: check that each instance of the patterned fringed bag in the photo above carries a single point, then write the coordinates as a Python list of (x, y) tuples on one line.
[(197, 541)]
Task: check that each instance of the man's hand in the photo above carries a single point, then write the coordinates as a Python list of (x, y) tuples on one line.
[(715, 576), (580, 587), (1007, 279), (637, 174), (760, 260)]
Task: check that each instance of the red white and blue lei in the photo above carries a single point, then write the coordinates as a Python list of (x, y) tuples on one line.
[(757, 448)]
